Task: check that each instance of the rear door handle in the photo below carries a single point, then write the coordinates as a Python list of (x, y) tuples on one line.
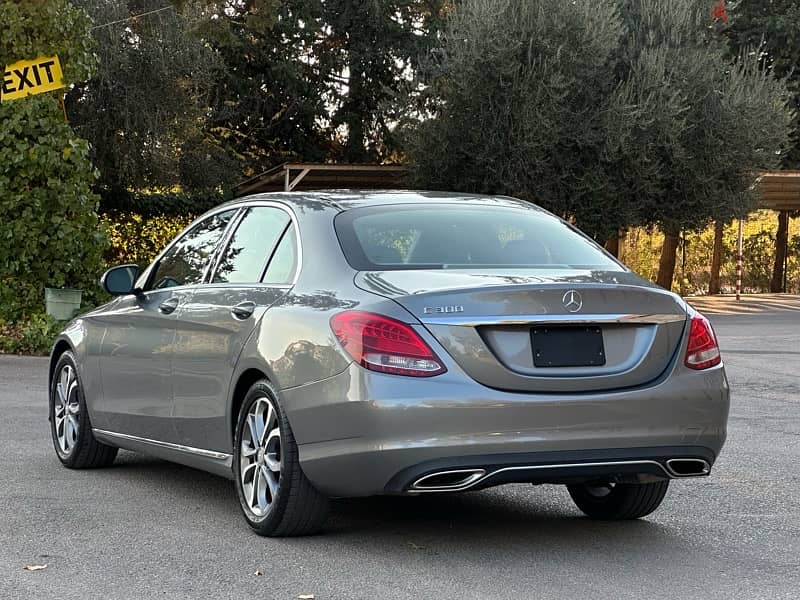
[(243, 310), (168, 305)]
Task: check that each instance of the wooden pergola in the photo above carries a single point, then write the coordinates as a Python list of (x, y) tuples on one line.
[(319, 176), (779, 190)]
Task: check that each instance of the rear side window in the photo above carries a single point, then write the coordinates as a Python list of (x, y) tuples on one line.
[(251, 245), (186, 260), (450, 236)]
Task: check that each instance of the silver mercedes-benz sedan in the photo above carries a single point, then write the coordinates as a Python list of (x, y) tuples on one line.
[(340, 344)]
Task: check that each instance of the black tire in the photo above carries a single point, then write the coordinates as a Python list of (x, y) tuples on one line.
[(297, 508), (619, 501), (83, 451)]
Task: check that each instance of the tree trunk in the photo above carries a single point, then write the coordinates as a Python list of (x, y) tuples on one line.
[(612, 245), (355, 150), (716, 259), (666, 265), (781, 241)]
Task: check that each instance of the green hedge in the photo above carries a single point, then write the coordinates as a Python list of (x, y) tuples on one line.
[(160, 204), (136, 239)]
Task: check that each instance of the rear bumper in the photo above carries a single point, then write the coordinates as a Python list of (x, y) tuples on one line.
[(362, 433)]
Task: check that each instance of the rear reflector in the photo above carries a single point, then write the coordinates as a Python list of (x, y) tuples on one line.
[(382, 344), (703, 350)]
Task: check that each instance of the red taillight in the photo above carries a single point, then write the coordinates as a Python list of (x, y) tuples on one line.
[(703, 350), (382, 344)]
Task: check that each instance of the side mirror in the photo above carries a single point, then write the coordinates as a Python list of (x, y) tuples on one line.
[(120, 281)]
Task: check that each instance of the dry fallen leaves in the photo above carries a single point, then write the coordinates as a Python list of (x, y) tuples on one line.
[(34, 567)]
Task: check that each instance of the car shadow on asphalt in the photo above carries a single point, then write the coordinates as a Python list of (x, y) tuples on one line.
[(504, 517)]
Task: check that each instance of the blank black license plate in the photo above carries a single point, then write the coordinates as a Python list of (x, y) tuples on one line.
[(567, 347)]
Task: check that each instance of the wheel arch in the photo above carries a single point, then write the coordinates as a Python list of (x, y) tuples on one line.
[(245, 377), (61, 345)]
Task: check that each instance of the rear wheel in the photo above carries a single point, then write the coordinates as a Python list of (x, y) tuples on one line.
[(71, 429), (618, 501), (275, 496)]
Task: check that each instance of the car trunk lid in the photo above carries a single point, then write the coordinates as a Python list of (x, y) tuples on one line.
[(543, 330)]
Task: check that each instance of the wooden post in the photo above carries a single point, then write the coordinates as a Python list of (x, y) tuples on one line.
[(716, 259), (739, 243)]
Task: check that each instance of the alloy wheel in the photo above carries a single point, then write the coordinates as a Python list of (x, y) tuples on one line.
[(260, 456), (66, 409)]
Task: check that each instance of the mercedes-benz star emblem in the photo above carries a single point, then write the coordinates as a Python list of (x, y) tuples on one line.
[(572, 301)]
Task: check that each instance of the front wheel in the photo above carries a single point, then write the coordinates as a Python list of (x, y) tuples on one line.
[(618, 501), (71, 429), (275, 496)]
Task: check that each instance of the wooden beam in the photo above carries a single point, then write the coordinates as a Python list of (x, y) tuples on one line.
[(296, 180)]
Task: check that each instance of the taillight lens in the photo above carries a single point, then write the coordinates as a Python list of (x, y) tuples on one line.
[(703, 350), (382, 344)]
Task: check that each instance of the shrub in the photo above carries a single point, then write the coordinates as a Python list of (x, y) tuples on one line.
[(137, 239), (51, 236), (34, 335)]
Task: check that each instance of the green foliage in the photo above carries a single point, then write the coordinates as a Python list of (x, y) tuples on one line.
[(34, 335), (609, 112), (769, 31), (314, 81), (50, 235), (376, 44), (144, 110), (136, 239), (167, 203)]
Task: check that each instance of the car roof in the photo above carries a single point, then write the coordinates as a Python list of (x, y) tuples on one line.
[(340, 200)]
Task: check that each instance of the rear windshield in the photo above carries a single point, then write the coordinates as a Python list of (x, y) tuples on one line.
[(450, 236)]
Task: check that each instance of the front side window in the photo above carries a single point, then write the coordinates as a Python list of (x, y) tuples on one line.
[(186, 260), (451, 236), (251, 245)]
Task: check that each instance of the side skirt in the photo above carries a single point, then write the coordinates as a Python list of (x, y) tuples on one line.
[(218, 463)]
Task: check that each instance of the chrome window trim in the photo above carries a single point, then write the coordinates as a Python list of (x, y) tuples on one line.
[(168, 445), (211, 268), (144, 278), (549, 319), (244, 211), (233, 205)]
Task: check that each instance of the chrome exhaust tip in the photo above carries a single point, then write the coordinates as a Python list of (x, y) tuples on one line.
[(688, 467), (447, 481)]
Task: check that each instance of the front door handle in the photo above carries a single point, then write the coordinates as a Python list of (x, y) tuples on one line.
[(243, 310), (168, 306)]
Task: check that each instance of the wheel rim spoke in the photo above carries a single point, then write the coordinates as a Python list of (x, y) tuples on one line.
[(261, 491), (260, 456), (267, 422), (272, 482), (251, 425), (248, 449)]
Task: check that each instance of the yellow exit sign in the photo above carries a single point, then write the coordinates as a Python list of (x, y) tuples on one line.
[(28, 77)]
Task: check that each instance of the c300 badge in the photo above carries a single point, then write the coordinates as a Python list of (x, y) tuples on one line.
[(442, 310)]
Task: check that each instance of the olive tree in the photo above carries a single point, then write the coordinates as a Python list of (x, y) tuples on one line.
[(612, 113)]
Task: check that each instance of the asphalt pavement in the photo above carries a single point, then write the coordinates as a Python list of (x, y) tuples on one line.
[(148, 529)]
